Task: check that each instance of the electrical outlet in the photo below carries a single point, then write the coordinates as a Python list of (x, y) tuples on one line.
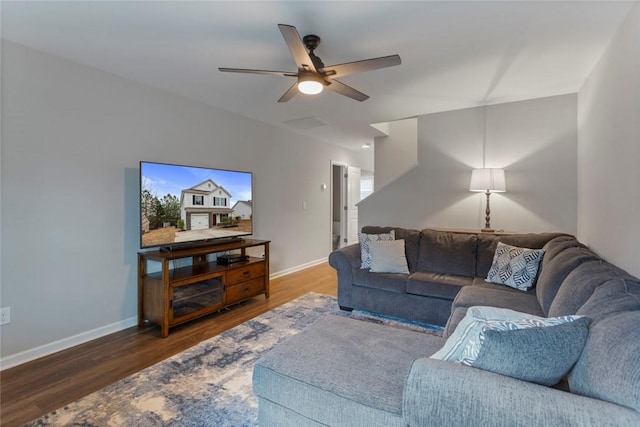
[(5, 315)]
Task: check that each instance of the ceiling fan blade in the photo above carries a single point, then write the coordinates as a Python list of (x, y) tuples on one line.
[(345, 90), (340, 70), (296, 47), (290, 93), (267, 72)]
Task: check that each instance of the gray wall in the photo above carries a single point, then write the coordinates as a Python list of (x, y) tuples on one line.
[(534, 141), (397, 152), (72, 137), (609, 151)]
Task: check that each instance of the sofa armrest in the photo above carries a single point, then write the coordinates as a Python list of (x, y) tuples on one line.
[(346, 258), (439, 393)]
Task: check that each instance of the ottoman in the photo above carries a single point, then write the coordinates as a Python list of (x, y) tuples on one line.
[(339, 371)]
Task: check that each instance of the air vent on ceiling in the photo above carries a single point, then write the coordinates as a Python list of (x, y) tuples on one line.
[(305, 123)]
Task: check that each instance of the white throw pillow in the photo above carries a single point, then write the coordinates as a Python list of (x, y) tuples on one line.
[(365, 239), (388, 257), (515, 267)]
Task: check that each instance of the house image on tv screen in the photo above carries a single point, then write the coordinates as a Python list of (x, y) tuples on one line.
[(242, 209), (204, 205)]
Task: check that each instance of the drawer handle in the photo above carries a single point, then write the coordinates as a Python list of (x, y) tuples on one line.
[(246, 273), (246, 289)]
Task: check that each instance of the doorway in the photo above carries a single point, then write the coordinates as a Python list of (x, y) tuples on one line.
[(345, 194)]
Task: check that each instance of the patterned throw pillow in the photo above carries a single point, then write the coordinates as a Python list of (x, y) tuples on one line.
[(475, 344), (542, 352), (519, 345), (365, 239), (515, 267), (470, 327)]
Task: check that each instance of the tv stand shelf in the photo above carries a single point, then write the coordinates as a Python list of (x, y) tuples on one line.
[(172, 295)]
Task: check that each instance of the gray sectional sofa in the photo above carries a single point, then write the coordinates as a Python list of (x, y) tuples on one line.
[(346, 372), (440, 265)]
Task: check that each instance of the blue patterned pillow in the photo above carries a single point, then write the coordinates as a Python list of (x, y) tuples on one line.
[(519, 345), (537, 351), (475, 344), (470, 327), (515, 267), (365, 239)]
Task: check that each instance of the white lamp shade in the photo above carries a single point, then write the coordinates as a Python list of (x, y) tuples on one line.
[(491, 180)]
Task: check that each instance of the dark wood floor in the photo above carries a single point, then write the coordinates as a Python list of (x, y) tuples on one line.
[(33, 389)]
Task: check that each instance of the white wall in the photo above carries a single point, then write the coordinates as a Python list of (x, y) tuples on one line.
[(609, 151), (534, 141), (72, 137), (397, 152)]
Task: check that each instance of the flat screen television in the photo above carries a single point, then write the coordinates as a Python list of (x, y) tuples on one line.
[(185, 206)]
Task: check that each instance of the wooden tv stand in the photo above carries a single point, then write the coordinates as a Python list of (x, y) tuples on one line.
[(171, 294)]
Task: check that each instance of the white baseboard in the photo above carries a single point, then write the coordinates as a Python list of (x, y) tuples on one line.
[(65, 343), (297, 268)]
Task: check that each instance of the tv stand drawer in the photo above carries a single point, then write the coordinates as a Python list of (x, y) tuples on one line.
[(245, 272), (245, 290)]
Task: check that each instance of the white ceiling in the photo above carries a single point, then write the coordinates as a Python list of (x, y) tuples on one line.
[(455, 54)]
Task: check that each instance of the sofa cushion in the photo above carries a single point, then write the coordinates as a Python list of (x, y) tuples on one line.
[(447, 253), (445, 286), (498, 296), (356, 368), (539, 350), (365, 239), (487, 244), (580, 284), (618, 294), (557, 245), (446, 394), (555, 271), (411, 241), (388, 257), (394, 282), (609, 367), (515, 267)]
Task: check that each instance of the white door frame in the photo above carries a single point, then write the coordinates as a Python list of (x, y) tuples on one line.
[(351, 200), (335, 185), (344, 203)]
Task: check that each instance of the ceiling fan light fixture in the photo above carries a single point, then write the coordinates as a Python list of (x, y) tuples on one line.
[(313, 75), (310, 84)]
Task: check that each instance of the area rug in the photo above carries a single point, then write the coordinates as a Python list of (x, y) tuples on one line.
[(208, 384)]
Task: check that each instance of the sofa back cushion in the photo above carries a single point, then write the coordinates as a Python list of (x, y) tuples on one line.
[(620, 293), (487, 244), (557, 245), (447, 253), (411, 241), (580, 284), (609, 367), (554, 272)]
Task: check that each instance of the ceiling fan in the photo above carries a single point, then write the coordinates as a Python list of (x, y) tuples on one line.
[(313, 75)]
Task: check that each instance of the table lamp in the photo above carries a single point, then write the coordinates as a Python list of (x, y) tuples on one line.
[(488, 180)]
